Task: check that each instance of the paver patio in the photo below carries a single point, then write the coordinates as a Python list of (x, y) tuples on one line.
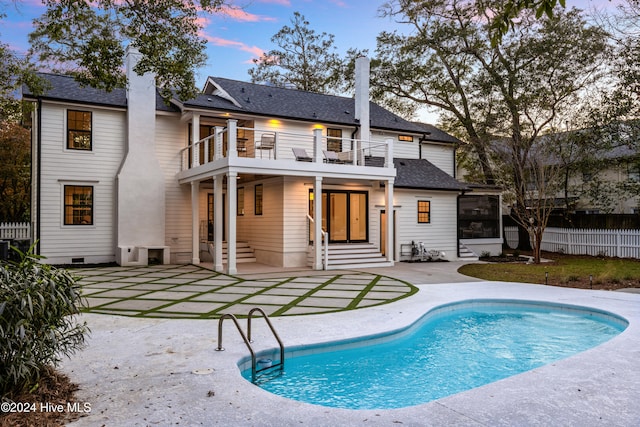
[(195, 292)]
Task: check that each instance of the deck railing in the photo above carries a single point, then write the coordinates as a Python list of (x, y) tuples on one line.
[(270, 144)]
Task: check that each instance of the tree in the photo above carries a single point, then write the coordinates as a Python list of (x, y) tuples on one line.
[(15, 172), (503, 22), (509, 93), (304, 59), (87, 39)]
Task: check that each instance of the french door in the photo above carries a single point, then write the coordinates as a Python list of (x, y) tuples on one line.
[(345, 215)]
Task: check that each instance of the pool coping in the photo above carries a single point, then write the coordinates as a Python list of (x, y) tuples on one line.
[(597, 387)]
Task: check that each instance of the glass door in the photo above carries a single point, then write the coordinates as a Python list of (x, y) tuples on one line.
[(345, 215)]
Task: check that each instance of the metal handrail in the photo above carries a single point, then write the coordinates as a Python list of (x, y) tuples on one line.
[(244, 338), (273, 331), (247, 339)]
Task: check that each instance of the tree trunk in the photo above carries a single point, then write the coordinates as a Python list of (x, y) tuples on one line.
[(524, 240)]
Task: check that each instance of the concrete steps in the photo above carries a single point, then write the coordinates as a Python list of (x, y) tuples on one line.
[(353, 255), (466, 254), (244, 252)]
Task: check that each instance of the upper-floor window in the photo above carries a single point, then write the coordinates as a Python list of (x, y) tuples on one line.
[(334, 140), (406, 138), (258, 199), (78, 205), (424, 211), (634, 172), (79, 130)]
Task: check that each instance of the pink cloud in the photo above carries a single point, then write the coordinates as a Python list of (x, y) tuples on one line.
[(280, 2), (218, 41), (243, 16), (339, 3)]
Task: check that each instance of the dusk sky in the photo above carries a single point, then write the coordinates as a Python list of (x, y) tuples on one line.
[(237, 36)]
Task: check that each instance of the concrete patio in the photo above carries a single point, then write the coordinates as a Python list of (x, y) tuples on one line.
[(152, 371)]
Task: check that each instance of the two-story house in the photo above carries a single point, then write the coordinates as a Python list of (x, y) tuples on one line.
[(241, 169)]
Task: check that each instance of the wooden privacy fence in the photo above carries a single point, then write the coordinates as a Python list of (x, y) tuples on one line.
[(15, 230), (580, 241)]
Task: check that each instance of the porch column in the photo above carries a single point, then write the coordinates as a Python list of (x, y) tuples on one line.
[(195, 228), (231, 220), (388, 196), (195, 137), (388, 159), (317, 145), (232, 140), (317, 223), (218, 222)]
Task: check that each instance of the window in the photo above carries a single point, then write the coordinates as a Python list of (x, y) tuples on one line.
[(406, 138), (240, 201), (78, 205), (479, 217), (424, 212), (334, 140), (258, 200), (78, 130), (634, 172)]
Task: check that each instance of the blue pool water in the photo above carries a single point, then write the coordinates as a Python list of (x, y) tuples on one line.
[(452, 349)]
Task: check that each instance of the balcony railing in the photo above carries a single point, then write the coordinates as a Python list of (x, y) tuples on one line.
[(269, 144)]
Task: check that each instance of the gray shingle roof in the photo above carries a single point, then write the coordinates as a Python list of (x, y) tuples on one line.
[(422, 174), (280, 102), (66, 88), (262, 100)]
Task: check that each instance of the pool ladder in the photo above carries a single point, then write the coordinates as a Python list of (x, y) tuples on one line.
[(247, 340)]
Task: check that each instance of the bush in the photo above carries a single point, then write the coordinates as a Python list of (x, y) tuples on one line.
[(37, 326)]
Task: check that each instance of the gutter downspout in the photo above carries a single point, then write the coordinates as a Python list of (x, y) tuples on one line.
[(38, 175), (422, 139), (353, 136)]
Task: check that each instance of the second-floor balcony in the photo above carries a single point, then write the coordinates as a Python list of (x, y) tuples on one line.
[(248, 149)]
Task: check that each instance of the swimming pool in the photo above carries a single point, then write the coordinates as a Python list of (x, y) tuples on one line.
[(452, 348)]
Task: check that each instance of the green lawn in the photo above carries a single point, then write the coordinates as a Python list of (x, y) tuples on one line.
[(563, 270)]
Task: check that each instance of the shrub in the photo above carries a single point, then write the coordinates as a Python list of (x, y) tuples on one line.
[(37, 324), (485, 254)]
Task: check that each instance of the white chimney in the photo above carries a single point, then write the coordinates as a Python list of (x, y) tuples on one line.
[(140, 180), (362, 97)]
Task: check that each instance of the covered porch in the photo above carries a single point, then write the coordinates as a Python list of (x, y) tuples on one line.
[(237, 188)]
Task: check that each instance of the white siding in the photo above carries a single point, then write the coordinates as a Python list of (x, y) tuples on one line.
[(171, 136), (404, 149), (440, 233), (296, 208), (263, 232), (441, 156), (59, 166)]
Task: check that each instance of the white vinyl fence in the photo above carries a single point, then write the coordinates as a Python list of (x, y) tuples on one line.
[(615, 243), (15, 231)]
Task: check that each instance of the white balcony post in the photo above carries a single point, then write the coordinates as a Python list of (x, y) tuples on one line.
[(217, 148), (388, 193), (231, 219), (388, 161), (218, 230), (232, 138), (195, 137), (317, 145), (317, 223), (195, 229)]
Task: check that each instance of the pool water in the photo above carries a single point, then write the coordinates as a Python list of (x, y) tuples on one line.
[(453, 349)]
